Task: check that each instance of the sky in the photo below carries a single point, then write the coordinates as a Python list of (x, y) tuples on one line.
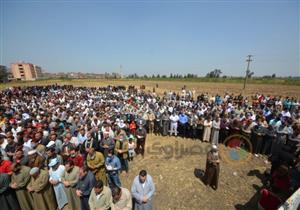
[(153, 37)]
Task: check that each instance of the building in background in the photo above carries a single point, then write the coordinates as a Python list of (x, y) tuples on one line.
[(3, 74), (25, 71), (38, 71)]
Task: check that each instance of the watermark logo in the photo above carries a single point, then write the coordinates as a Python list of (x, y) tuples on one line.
[(177, 150), (237, 150)]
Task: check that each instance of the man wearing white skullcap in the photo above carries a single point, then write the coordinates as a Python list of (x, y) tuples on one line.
[(41, 190), (56, 172), (35, 159), (34, 171), (211, 176)]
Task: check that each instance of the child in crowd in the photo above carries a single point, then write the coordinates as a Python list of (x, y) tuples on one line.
[(131, 147)]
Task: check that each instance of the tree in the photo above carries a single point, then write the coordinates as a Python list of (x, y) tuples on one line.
[(189, 75), (273, 75), (216, 73)]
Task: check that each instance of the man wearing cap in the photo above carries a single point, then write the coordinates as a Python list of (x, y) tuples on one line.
[(142, 191), (41, 190), (51, 154), (35, 159), (56, 172), (211, 176), (19, 180), (57, 143)]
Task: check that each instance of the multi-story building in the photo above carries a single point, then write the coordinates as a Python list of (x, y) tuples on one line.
[(38, 71), (25, 71)]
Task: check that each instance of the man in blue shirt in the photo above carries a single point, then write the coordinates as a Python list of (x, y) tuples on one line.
[(183, 124), (113, 166)]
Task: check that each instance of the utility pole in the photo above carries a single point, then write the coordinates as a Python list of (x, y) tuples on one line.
[(248, 70), (121, 70)]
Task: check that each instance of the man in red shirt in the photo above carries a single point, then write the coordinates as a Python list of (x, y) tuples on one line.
[(5, 166), (76, 158)]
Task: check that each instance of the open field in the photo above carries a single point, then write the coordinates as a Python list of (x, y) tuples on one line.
[(176, 85), (177, 187), (177, 184)]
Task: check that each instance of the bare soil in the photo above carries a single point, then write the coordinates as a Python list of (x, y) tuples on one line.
[(199, 87), (175, 176), (176, 173)]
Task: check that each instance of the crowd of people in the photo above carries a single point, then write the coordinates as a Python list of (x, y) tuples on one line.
[(65, 147)]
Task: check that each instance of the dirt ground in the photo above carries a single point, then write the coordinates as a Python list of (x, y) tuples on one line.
[(175, 176), (175, 173), (199, 87)]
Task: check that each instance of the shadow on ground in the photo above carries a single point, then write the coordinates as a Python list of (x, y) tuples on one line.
[(252, 203)]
